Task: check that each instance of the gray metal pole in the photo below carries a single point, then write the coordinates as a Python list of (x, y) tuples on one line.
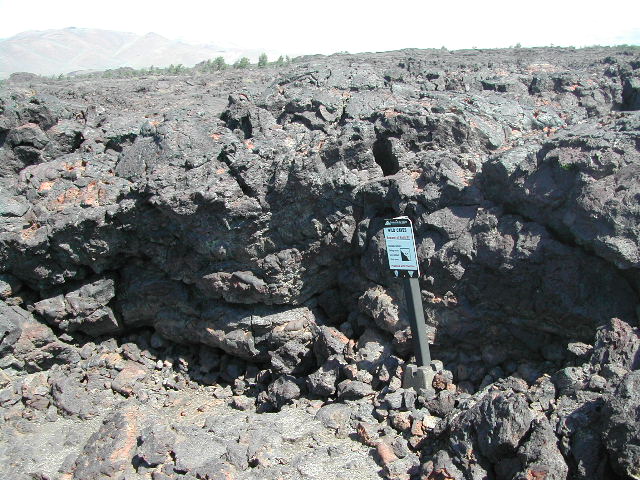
[(416, 318)]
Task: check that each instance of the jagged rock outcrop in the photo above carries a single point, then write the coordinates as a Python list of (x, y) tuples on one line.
[(242, 215)]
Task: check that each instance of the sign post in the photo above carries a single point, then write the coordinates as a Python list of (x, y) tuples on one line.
[(416, 316), (403, 262)]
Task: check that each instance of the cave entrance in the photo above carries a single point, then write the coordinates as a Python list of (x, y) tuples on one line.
[(384, 156)]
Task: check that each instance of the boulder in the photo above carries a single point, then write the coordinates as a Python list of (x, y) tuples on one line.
[(282, 391), (32, 344), (622, 426), (84, 309), (631, 94), (109, 451)]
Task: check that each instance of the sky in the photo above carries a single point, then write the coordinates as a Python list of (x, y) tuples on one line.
[(330, 26)]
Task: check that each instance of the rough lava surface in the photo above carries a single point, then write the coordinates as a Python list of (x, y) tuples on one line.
[(193, 278)]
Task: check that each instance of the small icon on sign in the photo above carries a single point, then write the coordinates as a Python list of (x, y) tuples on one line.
[(411, 273), (396, 272), (404, 254)]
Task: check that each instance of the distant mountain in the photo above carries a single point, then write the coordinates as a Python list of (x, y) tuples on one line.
[(51, 52)]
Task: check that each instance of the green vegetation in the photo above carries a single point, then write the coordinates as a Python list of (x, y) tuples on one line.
[(633, 48), (242, 63), (219, 63), (214, 65), (568, 167), (175, 70)]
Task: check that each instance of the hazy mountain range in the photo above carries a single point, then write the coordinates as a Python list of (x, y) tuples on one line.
[(50, 52)]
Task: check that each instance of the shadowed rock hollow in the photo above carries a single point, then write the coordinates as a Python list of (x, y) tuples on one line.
[(225, 230)]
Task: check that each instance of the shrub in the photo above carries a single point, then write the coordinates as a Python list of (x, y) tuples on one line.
[(241, 63), (219, 63), (263, 60)]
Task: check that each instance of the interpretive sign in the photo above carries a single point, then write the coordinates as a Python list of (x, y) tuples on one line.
[(401, 247), (403, 262)]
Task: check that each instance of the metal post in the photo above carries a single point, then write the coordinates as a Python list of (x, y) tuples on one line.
[(416, 318), (403, 262)]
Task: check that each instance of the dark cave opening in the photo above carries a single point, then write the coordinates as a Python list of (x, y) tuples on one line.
[(120, 142), (78, 138), (245, 125), (384, 156)]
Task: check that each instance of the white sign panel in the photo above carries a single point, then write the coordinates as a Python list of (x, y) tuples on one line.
[(401, 247)]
